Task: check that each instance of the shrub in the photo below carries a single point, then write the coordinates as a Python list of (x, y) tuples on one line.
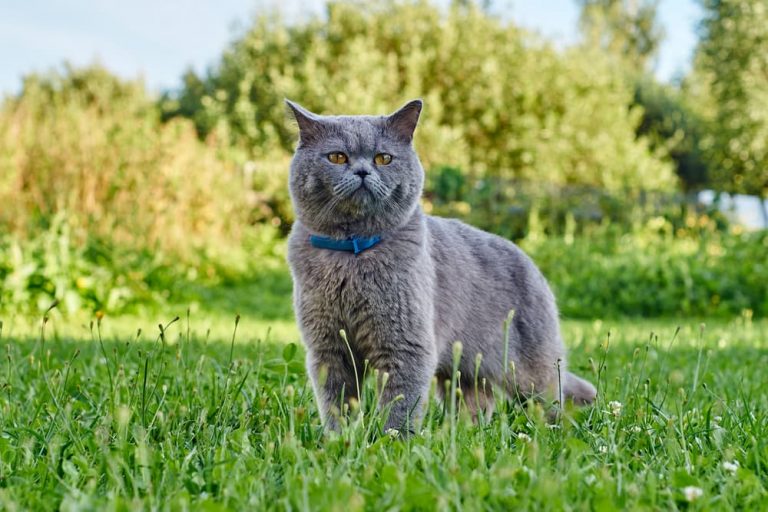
[(499, 102), (650, 274), (91, 148)]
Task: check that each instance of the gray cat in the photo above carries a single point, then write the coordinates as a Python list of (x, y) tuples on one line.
[(403, 285)]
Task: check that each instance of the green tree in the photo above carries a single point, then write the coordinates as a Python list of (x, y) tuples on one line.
[(628, 29), (499, 103), (676, 127), (732, 57), (91, 148)]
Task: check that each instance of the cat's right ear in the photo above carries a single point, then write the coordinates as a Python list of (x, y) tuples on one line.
[(309, 123)]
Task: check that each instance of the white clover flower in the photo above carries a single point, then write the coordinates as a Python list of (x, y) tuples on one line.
[(637, 429), (524, 437), (615, 408), (123, 416), (692, 493), (731, 467), (603, 449), (392, 432)]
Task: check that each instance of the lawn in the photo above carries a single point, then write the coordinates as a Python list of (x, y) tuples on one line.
[(198, 414)]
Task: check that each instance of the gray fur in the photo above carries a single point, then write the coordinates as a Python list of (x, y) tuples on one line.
[(428, 283)]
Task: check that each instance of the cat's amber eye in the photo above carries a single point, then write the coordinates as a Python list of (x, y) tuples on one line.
[(337, 158), (382, 159)]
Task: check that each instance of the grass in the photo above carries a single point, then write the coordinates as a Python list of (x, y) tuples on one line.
[(183, 417)]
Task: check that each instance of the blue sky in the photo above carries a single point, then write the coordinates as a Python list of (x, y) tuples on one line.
[(159, 39)]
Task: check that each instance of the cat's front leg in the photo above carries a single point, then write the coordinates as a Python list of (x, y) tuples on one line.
[(333, 379), (410, 365)]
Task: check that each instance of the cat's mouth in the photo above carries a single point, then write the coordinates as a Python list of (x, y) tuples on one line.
[(363, 192)]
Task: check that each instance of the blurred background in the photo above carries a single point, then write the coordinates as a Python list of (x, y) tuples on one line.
[(144, 147)]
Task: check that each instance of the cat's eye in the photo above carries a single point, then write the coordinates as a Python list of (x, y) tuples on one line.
[(337, 157), (382, 159)]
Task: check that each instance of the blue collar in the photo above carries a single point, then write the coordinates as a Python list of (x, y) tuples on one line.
[(355, 244)]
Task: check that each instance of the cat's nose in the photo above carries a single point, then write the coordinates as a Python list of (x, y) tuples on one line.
[(362, 173)]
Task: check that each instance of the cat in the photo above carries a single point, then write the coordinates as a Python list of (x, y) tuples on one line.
[(403, 285)]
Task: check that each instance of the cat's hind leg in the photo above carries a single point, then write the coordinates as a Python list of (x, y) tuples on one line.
[(580, 391), (478, 401)]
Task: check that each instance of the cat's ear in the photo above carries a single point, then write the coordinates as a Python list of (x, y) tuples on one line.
[(403, 122), (309, 123)]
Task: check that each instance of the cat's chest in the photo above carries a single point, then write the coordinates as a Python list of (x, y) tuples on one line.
[(345, 289), (343, 282), (350, 290)]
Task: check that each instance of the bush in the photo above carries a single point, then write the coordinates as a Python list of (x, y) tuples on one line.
[(104, 205), (96, 275), (499, 102), (511, 208), (650, 274), (91, 148), (53, 266)]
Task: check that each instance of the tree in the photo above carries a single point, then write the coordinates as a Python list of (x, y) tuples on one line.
[(675, 127), (628, 29), (88, 146), (732, 56), (498, 103)]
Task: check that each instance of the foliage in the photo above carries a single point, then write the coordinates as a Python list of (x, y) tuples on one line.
[(91, 148), (499, 102), (699, 272), (597, 269), (50, 267), (732, 57), (91, 275), (187, 422), (97, 275), (627, 29), (675, 126), (513, 209)]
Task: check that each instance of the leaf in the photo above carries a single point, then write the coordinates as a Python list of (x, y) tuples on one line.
[(289, 352)]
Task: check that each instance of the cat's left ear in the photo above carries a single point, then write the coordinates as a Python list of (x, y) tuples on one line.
[(403, 122)]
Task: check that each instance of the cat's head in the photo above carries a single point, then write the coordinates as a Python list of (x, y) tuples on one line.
[(355, 175)]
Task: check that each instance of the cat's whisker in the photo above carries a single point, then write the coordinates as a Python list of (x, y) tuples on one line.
[(328, 208), (379, 190)]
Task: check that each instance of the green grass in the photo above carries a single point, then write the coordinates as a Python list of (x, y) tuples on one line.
[(188, 419)]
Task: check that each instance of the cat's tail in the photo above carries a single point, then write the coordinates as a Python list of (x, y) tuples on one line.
[(575, 388)]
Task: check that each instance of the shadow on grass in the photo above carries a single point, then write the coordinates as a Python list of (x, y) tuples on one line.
[(266, 295)]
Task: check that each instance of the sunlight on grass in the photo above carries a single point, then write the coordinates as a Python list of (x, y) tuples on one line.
[(189, 419)]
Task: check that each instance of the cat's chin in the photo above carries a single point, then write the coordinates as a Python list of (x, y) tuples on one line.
[(361, 201)]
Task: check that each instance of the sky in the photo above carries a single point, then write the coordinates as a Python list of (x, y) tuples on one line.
[(159, 39)]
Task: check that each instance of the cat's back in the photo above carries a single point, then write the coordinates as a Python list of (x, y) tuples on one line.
[(480, 278), (469, 250)]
